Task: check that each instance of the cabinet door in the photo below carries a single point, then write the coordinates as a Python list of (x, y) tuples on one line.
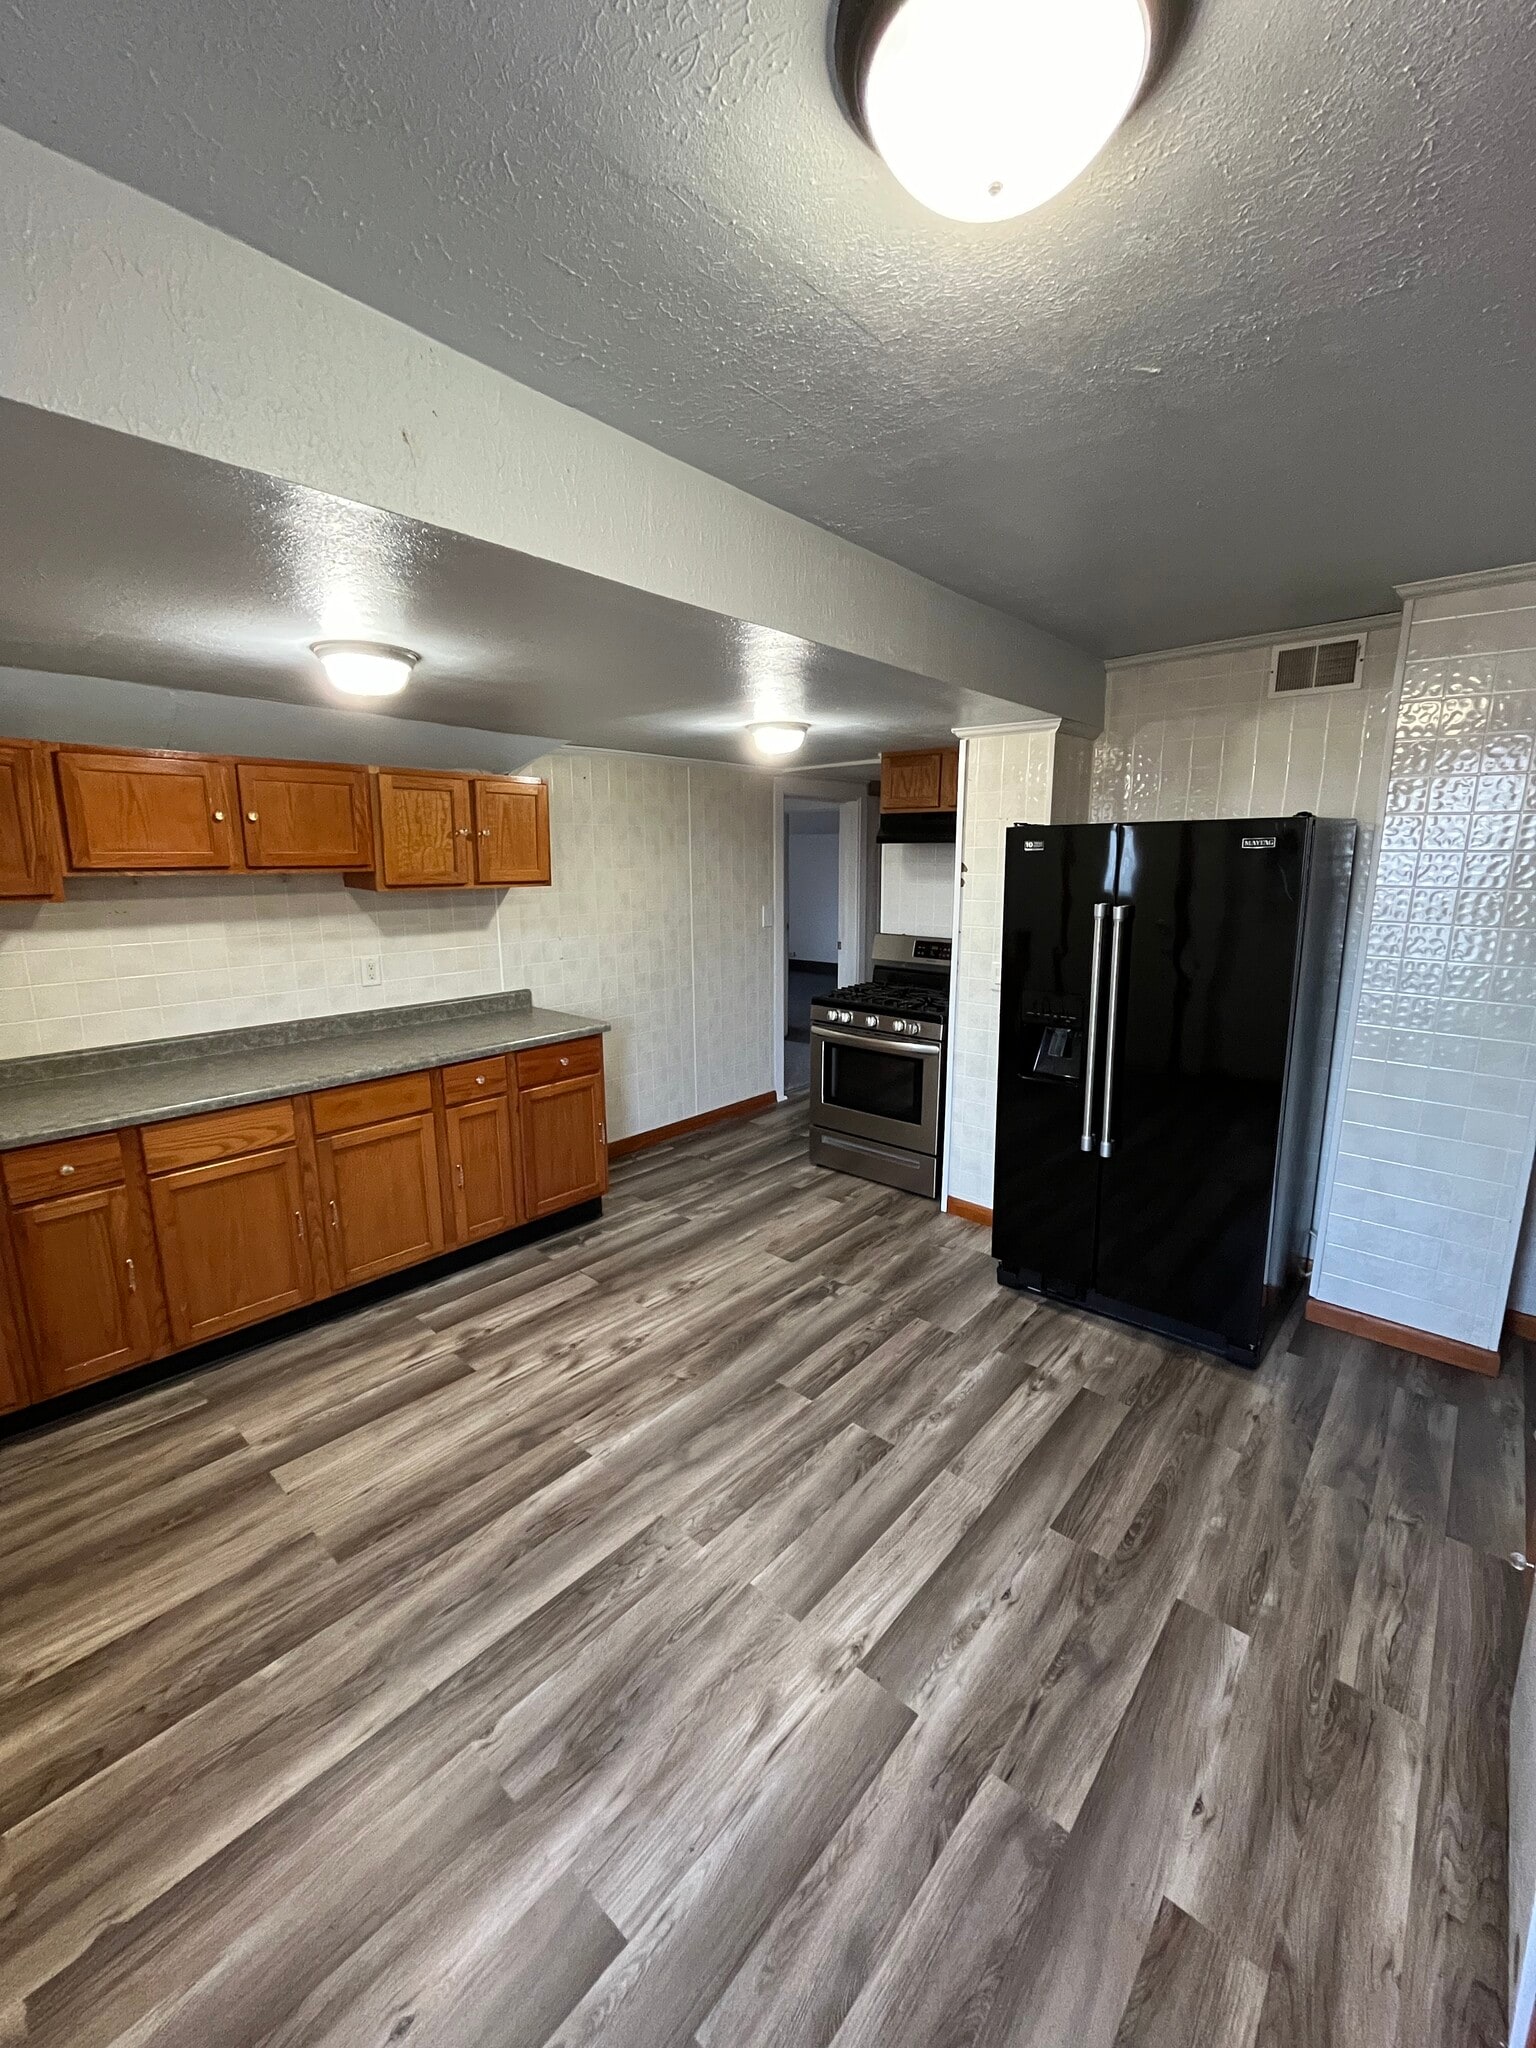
[(303, 814), (31, 854), (949, 779), (14, 1390), (911, 782), (383, 1208), (233, 1246), (565, 1157), (83, 1277), (424, 830), (480, 1160), (130, 813), (511, 832)]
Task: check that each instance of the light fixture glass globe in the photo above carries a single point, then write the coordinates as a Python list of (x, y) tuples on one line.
[(986, 108), (778, 738), (359, 669)]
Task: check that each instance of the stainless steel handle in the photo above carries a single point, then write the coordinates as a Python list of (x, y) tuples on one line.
[(1091, 1057), (866, 1039), (335, 1219), (133, 1276), (1121, 912), (298, 1221)]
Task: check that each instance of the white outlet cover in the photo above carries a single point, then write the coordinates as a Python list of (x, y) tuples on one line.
[(370, 970)]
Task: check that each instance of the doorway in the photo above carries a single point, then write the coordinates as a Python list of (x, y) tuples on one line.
[(822, 880)]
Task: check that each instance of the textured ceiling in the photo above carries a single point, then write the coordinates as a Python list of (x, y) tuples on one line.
[(126, 559), (1274, 351)]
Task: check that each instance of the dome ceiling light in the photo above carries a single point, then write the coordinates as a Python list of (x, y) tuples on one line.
[(359, 668), (778, 737), (984, 109)]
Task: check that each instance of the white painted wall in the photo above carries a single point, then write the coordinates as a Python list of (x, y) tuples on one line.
[(1427, 1191), (116, 309), (811, 884), (653, 922), (917, 890)]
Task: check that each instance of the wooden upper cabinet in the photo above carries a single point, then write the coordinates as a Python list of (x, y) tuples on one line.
[(511, 831), (31, 850), (926, 781), (135, 813), (304, 814), (234, 1244), (424, 830), (85, 1265), (484, 1175), (383, 1204)]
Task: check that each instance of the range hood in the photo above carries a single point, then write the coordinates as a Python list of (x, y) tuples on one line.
[(917, 828)]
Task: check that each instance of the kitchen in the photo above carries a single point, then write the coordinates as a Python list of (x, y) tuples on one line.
[(517, 1520)]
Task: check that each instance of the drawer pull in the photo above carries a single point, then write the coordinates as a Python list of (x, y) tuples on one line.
[(66, 1169), (479, 1080), (565, 1059), (133, 1276)]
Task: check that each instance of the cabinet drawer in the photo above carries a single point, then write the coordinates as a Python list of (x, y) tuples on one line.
[(371, 1102), (542, 1064), (222, 1134), (69, 1168), (474, 1080)]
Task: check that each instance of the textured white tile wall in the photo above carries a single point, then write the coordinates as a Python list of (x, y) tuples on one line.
[(917, 890), (1197, 735), (1008, 780), (1433, 1162), (661, 869)]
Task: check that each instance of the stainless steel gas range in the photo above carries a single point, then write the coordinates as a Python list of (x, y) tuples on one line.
[(877, 1068)]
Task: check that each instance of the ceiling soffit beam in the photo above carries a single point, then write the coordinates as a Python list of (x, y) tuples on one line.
[(124, 312)]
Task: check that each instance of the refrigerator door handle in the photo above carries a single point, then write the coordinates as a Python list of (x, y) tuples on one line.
[(1111, 1039), (1091, 1060)]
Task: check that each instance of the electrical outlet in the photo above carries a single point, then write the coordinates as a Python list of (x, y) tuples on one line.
[(370, 970)]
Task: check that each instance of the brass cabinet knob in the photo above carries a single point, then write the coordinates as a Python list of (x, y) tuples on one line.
[(218, 817), (66, 1169), (252, 816)]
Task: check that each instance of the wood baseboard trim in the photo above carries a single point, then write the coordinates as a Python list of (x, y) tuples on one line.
[(642, 1141), (1400, 1337), (1519, 1324), (969, 1212)]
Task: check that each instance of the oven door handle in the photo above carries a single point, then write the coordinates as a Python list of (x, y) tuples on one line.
[(870, 1038)]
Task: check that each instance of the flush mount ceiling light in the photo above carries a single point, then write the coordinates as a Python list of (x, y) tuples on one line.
[(778, 737), (360, 669), (986, 108)]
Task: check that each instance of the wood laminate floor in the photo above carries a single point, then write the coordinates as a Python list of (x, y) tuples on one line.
[(741, 1623)]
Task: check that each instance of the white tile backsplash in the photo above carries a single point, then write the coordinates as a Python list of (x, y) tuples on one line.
[(917, 890), (654, 921)]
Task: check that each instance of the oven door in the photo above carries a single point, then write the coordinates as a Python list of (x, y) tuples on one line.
[(876, 1088)]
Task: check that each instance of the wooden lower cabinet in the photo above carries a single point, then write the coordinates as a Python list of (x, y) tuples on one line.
[(234, 1247), (483, 1169), (565, 1154), (188, 1230), (85, 1272), (383, 1206)]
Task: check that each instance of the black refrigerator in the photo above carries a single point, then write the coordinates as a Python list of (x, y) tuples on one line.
[(1168, 1000)]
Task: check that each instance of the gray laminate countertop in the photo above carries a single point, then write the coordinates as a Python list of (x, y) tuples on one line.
[(67, 1095)]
